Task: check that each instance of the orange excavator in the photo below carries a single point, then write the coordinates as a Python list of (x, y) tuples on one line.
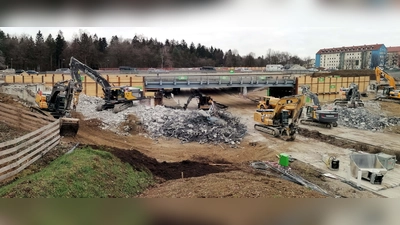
[(390, 93)]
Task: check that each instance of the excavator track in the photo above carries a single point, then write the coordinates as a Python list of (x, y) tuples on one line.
[(122, 106), (220, 106), (317, 124), (36, 109), (348, 105), (273, 132), (383, 99)]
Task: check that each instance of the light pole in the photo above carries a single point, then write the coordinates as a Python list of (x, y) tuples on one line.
[(11, 63), (63, 63)]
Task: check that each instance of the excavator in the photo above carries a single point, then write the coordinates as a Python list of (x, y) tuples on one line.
[(315, 116), (267, 102), (57, 103), (204, 101), (389, 92), (353, 97), (116, 98), (281, 120)]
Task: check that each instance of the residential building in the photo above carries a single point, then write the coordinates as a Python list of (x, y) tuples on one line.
[(352, 57), (393, 57)]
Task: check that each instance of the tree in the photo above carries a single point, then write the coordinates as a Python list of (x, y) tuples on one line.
[(249, 60), (51, 52), (60, 46), (2, 61), (40, 51)]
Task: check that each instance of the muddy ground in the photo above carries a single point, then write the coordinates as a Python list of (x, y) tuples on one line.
[(206, 170)]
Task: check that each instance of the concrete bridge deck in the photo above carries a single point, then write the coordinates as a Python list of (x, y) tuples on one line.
[(219, 80)]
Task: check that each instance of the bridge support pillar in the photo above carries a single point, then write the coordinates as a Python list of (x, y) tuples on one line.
[(244, 91)]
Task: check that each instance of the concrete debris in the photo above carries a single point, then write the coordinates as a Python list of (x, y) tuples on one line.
[(110, 121), (187, 126), (191, 126), (365, 118)]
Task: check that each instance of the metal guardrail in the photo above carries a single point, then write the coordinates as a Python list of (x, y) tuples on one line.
[(218, 81)]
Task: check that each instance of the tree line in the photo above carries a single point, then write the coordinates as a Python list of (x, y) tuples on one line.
[(49, 53)]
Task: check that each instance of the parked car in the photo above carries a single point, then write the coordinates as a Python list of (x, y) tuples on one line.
[(19, 71), (245, 70), (32, 72), (313, 70), (63, 70), (127, 69), (208, 69)]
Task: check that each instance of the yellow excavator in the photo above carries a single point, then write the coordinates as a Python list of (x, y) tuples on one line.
[(115, 98), (281, 118), (57, 103), (267, 102), (389, 92)]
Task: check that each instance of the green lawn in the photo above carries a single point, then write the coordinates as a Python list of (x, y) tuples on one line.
[(84, 173)]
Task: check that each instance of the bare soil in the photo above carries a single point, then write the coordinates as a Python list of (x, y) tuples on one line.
[(216, 170)]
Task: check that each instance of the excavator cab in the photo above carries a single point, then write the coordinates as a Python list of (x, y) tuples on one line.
[(267, 102)]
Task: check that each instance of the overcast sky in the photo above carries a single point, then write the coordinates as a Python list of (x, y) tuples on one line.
[(300, 27)]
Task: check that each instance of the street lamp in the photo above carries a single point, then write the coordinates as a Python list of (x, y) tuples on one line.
[(11, 62)]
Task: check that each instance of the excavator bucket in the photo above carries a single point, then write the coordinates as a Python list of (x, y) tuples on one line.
[(69, 127)]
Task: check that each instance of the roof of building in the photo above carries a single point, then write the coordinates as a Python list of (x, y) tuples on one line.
[(393, 49), (350, 49)]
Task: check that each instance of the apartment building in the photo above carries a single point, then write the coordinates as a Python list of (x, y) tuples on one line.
[(351, 57), (393, 57)]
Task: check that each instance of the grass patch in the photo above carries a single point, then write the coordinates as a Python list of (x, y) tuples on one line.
[(85, 173)]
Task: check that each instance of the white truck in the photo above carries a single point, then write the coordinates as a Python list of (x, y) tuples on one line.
[(274, 67)]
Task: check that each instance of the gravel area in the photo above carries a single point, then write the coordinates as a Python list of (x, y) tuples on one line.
[(369, 117)]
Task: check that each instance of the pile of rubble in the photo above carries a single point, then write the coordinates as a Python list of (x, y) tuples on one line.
[(365, 118), (187, 126), (191, 126), (110, 121)]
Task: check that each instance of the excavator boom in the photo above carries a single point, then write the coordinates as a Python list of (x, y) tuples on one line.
[(117, 98), (379, 72)]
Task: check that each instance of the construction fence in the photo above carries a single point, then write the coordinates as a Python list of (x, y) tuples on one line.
[(90, 87), (328, 88), (17, 154)]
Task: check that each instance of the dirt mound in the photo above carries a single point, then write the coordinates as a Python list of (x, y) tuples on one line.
[(167, 171), (10, 100), (132, 125)]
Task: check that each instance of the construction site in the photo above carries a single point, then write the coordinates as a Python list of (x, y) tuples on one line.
[(323, 135)]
